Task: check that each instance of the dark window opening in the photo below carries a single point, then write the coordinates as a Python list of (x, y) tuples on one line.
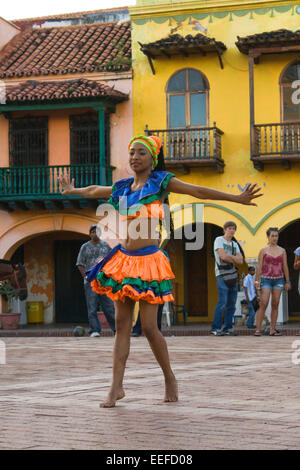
[(28, 141)]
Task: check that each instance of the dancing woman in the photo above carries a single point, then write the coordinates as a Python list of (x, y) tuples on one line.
[(136, 270)]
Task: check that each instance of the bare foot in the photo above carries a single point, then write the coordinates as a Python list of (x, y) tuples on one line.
[(110, 402), (171, 393)]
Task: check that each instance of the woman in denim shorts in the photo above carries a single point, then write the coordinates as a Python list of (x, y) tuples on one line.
[(274, 277)]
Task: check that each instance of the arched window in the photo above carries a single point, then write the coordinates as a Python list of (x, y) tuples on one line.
[(187, 99), (290, 108)]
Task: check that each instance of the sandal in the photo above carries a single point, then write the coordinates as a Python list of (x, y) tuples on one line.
[(258, 333), (276, 333)]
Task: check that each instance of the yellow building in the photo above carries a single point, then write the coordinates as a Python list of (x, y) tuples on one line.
[(217, 80)]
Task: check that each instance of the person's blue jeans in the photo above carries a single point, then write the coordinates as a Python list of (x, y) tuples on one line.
[(92, 303), (251, 317), (227, 301)]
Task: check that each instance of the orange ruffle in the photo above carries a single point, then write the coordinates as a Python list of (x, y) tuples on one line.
[(154, 267), (128, 291)]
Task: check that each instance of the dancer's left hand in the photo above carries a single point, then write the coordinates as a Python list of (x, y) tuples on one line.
[(249, 194)]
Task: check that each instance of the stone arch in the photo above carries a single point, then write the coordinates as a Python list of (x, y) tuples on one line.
[(22, 231)]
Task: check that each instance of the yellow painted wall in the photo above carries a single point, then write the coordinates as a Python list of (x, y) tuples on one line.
[(228, 107), (228, 104)]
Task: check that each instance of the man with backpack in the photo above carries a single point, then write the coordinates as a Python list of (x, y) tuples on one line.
[(227, 255)]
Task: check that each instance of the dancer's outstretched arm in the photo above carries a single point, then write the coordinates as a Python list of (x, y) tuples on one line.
[(202, 192), (67, 188)]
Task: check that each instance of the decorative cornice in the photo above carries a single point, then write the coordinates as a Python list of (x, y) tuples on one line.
[(211, 8)]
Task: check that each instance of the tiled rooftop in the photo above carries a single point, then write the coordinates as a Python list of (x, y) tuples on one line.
[(71, 49), (67, 16), (32, 91), (178, 41), (280, 37)]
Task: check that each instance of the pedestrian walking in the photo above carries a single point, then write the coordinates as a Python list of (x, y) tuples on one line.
[(227, 255), (250, 296), (91, 252), (272, 276), (137, 270)]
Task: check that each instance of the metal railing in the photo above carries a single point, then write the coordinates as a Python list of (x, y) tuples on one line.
[(279, 139), (193, 143), (29, 181)]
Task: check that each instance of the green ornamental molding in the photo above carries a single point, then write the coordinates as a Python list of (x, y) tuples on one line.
[(251, 229), (231, 14)]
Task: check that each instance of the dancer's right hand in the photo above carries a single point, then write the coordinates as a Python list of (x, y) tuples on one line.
[(65, 186)]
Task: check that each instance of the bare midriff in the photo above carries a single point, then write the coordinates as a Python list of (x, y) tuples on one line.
[(144, 230)]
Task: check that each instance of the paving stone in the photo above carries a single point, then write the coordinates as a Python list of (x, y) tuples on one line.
[(235, 393)]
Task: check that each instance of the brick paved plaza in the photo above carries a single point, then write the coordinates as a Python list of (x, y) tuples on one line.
[(235, 393)]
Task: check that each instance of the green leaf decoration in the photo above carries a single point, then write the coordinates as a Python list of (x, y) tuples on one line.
[(262, 11), (179, 17), (160, 19), (140, 22), (200, 16), (241, 12), (220, 14), (283, 9)]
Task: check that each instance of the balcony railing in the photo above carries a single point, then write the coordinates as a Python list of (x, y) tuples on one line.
[(38, 187), (194, 146), (279, 142), (43, 180)]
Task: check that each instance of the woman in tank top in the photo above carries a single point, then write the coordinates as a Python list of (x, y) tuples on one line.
[(274, 276)]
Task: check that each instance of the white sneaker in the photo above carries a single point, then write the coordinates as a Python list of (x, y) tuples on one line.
[(94, 335)]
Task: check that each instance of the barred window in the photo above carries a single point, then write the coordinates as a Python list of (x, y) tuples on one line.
[(84, 139), (28, 141)]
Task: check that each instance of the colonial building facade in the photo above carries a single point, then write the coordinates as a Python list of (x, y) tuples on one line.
[(221, 81), (67, 109)]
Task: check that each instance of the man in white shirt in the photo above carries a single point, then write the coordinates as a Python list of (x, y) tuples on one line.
[(250, 295), (227, 254)]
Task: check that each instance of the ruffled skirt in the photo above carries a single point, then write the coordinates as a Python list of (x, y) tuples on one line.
[(143, 274)]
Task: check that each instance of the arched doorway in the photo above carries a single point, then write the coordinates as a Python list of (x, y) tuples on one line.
[(52, 275), (290, 240), (195, 283)]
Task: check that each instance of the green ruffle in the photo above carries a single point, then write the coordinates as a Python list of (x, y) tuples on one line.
[(159, 287), (144, 200)]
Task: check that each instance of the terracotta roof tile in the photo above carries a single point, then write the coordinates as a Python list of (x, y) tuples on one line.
[(280, 37), (33, 91), (177, 42), (70, 49), (66, 16)]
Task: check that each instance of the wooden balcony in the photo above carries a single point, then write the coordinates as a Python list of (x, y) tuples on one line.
[(185, 148), (37, 187), (275, 143)]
